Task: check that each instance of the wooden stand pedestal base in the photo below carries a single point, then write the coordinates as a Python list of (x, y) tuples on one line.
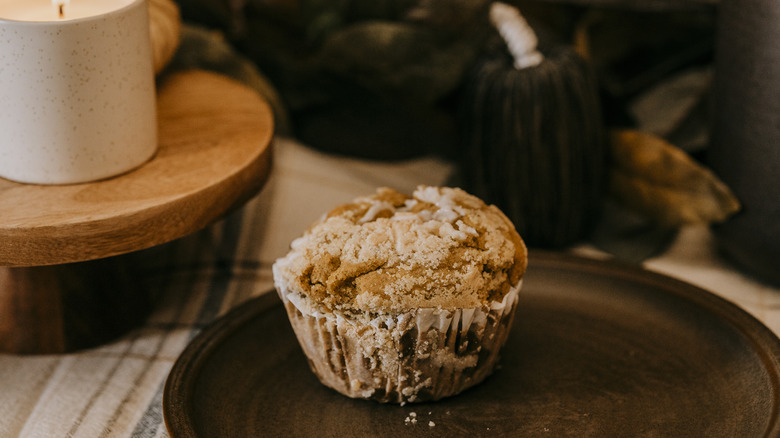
[(59, 308), (63, 285)]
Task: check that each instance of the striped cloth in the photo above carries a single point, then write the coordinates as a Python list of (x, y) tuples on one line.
[(116, 390)]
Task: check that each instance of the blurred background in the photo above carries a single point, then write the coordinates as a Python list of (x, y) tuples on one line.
[(606, 141)]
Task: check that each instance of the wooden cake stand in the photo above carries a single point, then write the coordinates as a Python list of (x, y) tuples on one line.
[(61, 288)]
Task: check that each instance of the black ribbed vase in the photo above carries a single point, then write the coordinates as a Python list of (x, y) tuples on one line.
[(533, 143), (745, 136)]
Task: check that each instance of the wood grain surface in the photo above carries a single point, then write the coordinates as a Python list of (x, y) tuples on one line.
[(214, 154)]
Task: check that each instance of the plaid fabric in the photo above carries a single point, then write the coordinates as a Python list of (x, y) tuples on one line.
[(116, 390)]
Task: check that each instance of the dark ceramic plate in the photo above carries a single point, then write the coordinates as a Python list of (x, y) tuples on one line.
[(598, 349)]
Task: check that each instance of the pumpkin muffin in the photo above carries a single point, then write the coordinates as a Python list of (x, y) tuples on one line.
[(401, 298)]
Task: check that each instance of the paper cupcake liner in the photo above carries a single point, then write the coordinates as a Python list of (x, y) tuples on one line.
[(419, 355)]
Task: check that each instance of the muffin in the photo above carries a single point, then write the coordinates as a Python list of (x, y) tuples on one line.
[(400, 298)]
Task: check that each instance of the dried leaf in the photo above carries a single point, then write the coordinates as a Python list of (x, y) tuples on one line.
[(659, 180)]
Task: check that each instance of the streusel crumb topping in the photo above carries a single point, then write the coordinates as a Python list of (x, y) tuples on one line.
[(439, 248)]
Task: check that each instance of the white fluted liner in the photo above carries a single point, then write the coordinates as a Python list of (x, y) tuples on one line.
[(418, 355)]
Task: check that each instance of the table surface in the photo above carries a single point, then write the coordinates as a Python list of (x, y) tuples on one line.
[(116, 390), (214, 153)]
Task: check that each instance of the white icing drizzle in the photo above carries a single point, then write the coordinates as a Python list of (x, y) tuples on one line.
[(373, 211), (445, 221)]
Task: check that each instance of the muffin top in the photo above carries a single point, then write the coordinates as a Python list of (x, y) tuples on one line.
[(387, 253)]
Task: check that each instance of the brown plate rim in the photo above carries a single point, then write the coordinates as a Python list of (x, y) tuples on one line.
[(179, 385)]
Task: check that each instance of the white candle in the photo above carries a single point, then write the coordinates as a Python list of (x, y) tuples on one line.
[(77, 94)]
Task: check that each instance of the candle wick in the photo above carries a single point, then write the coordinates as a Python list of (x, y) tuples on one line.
[(61, 9)]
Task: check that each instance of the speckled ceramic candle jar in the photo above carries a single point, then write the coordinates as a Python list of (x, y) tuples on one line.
[(77, 95)]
